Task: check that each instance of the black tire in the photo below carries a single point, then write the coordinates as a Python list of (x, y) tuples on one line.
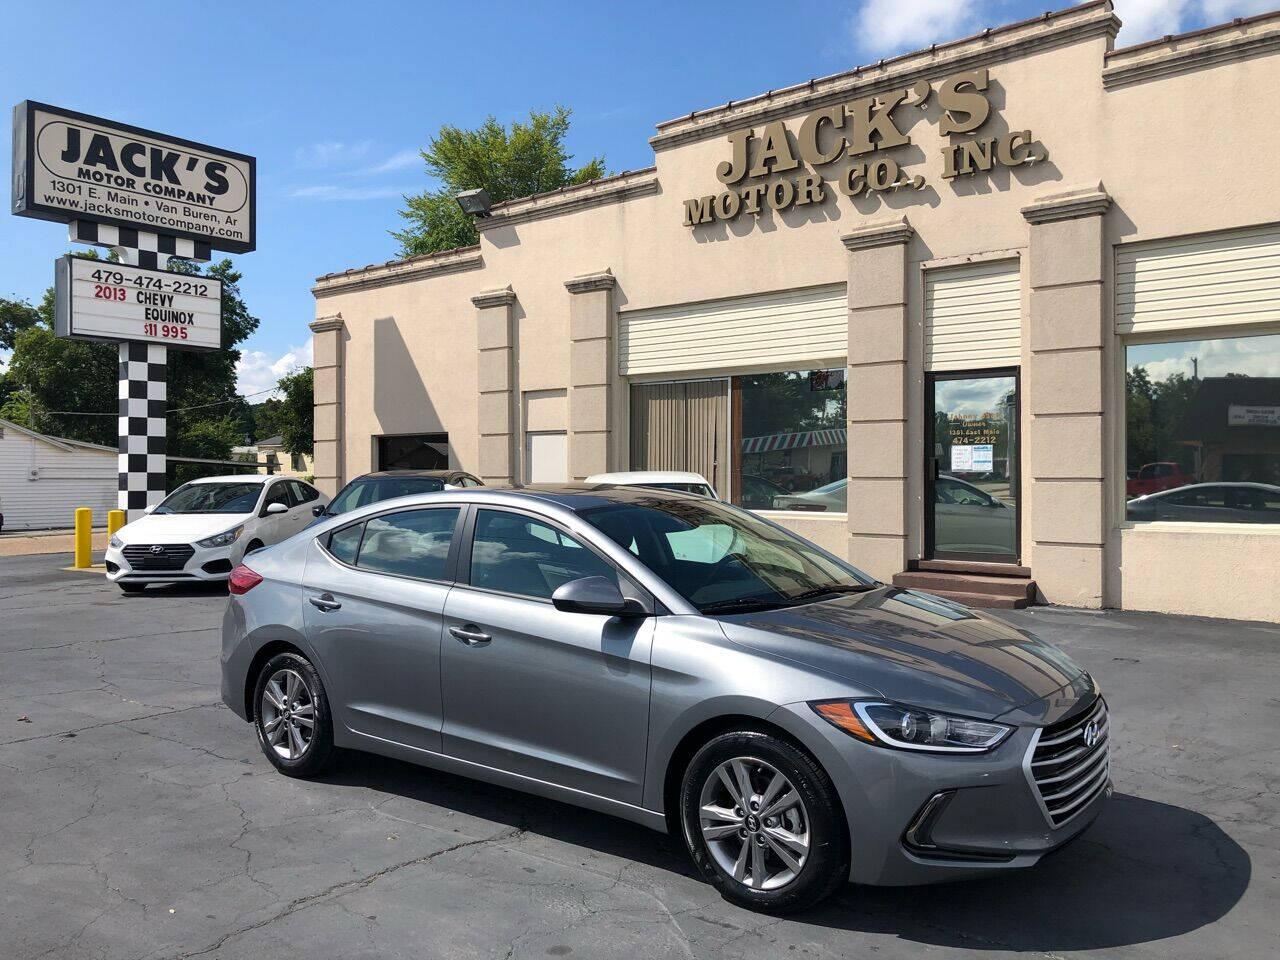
[(319, 750), (253, 545), (132, 587), (826, 867)]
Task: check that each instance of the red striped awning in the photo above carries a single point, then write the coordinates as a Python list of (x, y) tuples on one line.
[(837, 436)]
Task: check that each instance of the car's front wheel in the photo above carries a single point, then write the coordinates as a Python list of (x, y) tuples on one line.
[(292, 716), (763, 822)]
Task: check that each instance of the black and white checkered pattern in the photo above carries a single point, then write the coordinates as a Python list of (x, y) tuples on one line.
[(143, 426), (153, 250)]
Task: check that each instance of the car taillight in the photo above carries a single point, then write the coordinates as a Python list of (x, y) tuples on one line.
[(242, 580)]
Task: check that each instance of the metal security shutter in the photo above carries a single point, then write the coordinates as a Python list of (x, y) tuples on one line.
[(1200, 281), (791, 329), (973, 316)]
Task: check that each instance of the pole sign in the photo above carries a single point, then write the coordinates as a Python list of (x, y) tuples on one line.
[(96, 300), (69, 166)]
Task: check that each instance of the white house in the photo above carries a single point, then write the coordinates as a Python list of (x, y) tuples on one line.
[(43, 479)]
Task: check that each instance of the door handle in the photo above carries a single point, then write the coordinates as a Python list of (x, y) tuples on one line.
[(325, 602), (470, 635)]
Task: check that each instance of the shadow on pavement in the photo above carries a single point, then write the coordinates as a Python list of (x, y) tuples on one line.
[(1144, 871)]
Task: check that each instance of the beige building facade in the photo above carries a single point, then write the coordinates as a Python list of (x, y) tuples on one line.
[(1006, 310)]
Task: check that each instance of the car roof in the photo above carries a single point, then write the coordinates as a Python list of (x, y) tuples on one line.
[(582, 496), (438, 474), (238, 478), (648, 476)]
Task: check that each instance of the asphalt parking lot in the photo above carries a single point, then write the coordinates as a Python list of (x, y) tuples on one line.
[(140, 819)]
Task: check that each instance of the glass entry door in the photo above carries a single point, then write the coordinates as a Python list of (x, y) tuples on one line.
[(971, 500)]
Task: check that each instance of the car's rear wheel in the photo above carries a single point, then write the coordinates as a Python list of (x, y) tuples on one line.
[(253, 545), (292, 716), (763, 823)]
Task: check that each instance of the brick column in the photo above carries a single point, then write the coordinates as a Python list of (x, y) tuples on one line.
[(591, 373), (877, 396), (1067, 383), (327, 349), (496, 335)]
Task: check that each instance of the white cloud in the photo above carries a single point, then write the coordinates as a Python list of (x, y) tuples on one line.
[(327, 191), (4, 362), (257, 370), (1149, 19), (403, 160), (331, 153), (882, 28), (1251, 356)]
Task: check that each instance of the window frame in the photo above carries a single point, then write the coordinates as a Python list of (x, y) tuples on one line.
[(1116, 498), (268, 489), (450, 561), (463, 572)]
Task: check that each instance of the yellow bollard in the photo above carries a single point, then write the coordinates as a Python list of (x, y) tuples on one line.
[(84, 538), (115, 520)]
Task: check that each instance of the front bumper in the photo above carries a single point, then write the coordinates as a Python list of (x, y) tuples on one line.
[(135, 564), (917, 818)]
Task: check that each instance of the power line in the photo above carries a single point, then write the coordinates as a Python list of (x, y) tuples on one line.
[(200, 406)]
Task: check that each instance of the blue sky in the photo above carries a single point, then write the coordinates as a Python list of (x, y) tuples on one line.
[(335, 99)]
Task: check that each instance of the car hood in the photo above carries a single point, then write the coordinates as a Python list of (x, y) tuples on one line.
[(179, 527), (918, 649)]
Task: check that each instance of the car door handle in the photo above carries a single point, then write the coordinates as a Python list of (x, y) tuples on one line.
[(470, 635), (325, 602)]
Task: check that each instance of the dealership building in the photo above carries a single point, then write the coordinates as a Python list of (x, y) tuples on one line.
[(999, 318)]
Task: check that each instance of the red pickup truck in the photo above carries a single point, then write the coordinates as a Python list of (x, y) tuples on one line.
[(1154, 477)]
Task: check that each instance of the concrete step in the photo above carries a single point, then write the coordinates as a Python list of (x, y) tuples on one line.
[(982, 600), (970, 566), (972, 583)]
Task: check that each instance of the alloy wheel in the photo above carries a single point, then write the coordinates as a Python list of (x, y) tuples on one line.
[(754, 823), (287, 714)]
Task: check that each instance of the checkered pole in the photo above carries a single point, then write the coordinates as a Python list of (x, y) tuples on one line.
[(144, 377)]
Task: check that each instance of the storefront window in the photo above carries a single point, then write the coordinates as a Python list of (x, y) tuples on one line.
[(791, 436), (1202, 430)]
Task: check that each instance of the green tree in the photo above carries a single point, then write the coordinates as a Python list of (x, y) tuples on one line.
[(268, 418), (298, 408), (15, 316), (526, 159)]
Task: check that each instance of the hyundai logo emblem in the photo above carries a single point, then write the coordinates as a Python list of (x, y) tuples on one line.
[(1091, 733), (157, 549)]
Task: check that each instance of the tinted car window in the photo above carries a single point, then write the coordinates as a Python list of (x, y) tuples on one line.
[(212, 498), (414, 543), (516, 554), (366, 490), (277, 493), (345, 543), (303, 493)]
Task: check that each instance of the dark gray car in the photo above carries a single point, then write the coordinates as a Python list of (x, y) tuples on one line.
[(678, 662)]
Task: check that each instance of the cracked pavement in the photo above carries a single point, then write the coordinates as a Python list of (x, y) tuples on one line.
[(141, 821)]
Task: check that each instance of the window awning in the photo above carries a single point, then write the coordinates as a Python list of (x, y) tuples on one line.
[(837, 436)]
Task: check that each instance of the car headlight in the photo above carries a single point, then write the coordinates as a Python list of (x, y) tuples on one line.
[(222, 539), (115, 543), (910, 728)]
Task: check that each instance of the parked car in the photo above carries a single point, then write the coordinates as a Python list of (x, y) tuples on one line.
[(204, 528), (833, 496), (757, 493), (389, 484), (967, 518), (1154, 477), (658, 480), (1209, 503), (795, 723)]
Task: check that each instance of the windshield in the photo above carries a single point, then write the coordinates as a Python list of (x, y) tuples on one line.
[(212, 498), (359, 493), (721, 558)]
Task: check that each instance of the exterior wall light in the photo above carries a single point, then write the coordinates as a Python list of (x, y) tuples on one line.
[(474, 202)]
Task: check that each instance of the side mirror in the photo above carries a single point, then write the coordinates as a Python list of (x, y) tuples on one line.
[(275, 508), (317, 511), (594, 595)]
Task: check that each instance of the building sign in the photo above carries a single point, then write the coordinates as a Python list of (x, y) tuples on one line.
[(97, 300), (861, 135), (1239, 415), (68, 166)]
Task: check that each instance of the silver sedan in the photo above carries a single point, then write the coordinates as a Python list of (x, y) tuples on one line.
[(678, 662)]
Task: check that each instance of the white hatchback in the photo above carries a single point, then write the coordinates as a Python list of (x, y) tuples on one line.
[(204, 528)]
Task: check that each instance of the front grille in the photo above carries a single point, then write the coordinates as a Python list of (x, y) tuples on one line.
[(172, 556), (1067, 772)]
